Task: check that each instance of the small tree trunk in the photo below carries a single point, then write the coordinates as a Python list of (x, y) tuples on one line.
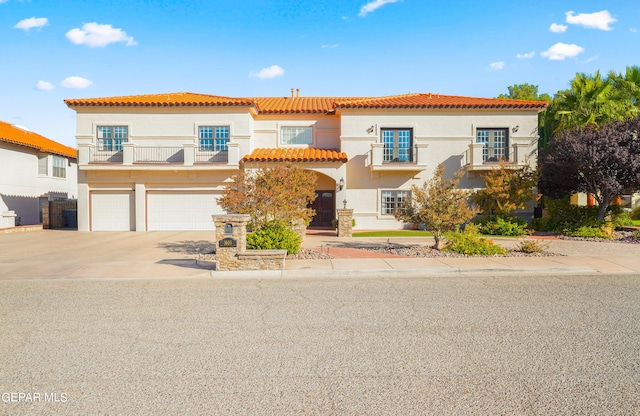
[(603, 204), (436, 237)]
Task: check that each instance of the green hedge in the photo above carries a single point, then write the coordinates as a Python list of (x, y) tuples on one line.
[(275, 235)]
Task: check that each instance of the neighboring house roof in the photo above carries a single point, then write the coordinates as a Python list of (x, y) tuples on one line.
[(13, 134), (296, 154), (310, 105)]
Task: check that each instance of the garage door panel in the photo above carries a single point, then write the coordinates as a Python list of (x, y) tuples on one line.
[(177, 211), (112, 211)]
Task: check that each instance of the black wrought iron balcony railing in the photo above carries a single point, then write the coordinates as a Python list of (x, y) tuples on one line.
[(398, 154), (211, 156), (496, 154), (105, 156), (144, 154)]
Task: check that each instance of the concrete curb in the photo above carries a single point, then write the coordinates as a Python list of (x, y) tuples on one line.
[(398, 273)]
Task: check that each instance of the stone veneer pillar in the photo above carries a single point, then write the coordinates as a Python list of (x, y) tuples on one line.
[(345, 218), (231, 239)]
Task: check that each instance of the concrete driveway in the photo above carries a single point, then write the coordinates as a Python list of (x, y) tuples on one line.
[(62, 254)]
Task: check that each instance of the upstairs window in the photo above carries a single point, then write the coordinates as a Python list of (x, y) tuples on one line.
[(296, 135), (398, 145), (59, 167), (112, 137), (43, 165), (393, 200), (214, 138), (496, 144)]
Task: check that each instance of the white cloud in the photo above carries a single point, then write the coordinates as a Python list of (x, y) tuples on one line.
[(633, 30), (44, 85), (560, 51), (497, 66), (76, 82), (269, 72), (598, 20), (557, 28), (32, 22), (3, 1), (96, 35), (528, 55), (335, 45), (373, 5)]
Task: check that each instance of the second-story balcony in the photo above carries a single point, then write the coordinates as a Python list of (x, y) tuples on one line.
[(481, 157), (137, 157), (398, 158)]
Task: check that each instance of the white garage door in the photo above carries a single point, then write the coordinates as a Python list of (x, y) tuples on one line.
[(112, 211), (176, 211)]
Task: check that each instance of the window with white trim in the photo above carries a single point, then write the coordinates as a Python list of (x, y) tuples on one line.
[(398, 145), (214, 138), (496, 142), (392, 200), (112, 137), (59, 167), (290, 135), (43, 165)]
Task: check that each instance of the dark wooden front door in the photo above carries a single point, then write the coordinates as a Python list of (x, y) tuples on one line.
[(324, 205)]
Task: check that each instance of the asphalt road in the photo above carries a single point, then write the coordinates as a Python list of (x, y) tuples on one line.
[(442, 345)]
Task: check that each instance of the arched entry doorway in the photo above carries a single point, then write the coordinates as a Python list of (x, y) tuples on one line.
[(325, 202)]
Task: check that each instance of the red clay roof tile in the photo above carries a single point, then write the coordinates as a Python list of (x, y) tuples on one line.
[(296, 154), (13, 134), (310, 105), (175, 99)]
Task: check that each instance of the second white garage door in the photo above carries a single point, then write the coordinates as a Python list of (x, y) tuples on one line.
[(177, 211)]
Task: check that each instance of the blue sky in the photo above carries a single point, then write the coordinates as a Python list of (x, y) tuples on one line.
[(57, 49)]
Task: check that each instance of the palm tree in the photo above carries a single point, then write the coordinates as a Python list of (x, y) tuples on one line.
[(628, 85), (591, 101)]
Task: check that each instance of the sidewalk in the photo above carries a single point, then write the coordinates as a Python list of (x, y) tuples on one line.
[(575, 257)]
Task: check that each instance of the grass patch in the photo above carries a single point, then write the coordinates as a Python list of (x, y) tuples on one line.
[(393, 233), (636, 223)]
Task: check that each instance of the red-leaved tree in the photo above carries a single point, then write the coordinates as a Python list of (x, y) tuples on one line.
[(603, 161)]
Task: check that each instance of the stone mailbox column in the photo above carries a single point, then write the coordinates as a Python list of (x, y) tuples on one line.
[(345, 217), (231, 239)]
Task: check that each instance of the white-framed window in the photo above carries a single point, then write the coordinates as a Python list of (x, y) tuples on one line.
[(214, 138), (112, 137), (292, 135), (59, 167), (43, 165), (392, 200), (496, 142), (398, 145)]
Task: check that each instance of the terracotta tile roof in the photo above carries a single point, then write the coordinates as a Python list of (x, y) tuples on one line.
[(436, 101), (175, 99), (309, 105), (296, 154), (12, 134), (289, 105)]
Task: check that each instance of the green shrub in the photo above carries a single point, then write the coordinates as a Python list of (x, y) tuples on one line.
[(542, 224), (469, 243), (530, 246), (621, 219), (563, 215), (635, 214), (497, 225), (591, 232), (275, 235)]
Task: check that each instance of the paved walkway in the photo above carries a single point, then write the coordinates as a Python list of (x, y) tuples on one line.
[(574, 257)]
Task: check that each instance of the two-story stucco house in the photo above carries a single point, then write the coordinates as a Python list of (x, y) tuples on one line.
[(160, 162), (33, 171)]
